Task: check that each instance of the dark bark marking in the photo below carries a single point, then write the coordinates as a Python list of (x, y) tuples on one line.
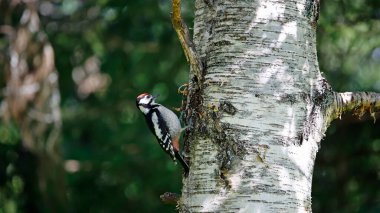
[(226, 106), (209, 3), (224, 178), (300, 138), (192, 115), (221, 43), (289, 98), (209, 125), (312, 11), (322, 97)]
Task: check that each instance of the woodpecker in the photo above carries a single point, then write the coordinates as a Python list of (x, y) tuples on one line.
[(164, 124)]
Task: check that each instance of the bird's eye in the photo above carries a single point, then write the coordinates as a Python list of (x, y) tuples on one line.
[(149, 96)]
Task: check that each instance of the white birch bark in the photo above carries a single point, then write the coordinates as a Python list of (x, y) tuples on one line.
[(257, 104), (263, 97)]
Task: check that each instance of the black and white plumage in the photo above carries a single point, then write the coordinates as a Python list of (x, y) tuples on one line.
[(164, 124)]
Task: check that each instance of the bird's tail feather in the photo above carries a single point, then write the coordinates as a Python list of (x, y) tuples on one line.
[(183, 162)]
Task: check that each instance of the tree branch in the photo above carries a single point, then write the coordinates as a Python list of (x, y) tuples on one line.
[(170, 198), (357, 102), (185, 40)]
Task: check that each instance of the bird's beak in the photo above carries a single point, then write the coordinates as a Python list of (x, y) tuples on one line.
[(155, 97)]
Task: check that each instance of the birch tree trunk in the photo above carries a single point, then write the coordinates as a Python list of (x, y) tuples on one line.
[(260, 107)]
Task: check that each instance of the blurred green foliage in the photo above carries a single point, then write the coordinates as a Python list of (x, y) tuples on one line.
[(347, 171), (113, 163), (121, 168)]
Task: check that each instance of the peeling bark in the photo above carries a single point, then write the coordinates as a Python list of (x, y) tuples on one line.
[(263, 107)]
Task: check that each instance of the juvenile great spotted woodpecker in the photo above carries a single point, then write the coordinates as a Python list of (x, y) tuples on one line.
[(164, 124)]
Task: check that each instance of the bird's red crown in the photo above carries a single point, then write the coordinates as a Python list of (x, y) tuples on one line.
[(142, 95)]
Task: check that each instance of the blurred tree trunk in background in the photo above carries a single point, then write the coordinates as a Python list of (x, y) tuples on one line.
[(32, 102), (262, 108)]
